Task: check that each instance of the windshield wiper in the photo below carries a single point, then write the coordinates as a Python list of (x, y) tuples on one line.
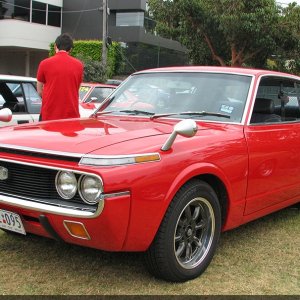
[(191, 113), (129, 111), (136, 112)]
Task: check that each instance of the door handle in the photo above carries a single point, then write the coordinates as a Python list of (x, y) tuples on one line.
[(22, 121)]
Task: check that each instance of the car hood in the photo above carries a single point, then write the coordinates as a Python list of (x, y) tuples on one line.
[(82, 135)]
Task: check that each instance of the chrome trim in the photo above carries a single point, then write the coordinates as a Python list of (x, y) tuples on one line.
[(99, 194), (76, 236), (47, 167), (44, 151), (59, 191), (47, 208), (114, 195), (259, 79), (121, 156), (58, 210)]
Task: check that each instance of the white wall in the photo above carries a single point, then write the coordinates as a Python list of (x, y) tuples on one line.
[(27, 35)]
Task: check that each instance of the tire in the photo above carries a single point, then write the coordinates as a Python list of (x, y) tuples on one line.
[(188, 235)]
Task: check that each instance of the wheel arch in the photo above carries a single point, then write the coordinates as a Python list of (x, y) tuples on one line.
[(211, 175)]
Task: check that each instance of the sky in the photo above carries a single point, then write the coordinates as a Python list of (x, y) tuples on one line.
[(285, 2)]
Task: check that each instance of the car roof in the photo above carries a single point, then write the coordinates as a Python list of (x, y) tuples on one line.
[(233, 70), (16, 78)]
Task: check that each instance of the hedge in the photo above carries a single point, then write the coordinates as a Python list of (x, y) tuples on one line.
[(92, 50)]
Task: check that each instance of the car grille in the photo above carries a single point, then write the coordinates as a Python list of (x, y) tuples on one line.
[(37, 184)]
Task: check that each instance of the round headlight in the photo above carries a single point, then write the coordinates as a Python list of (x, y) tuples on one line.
[(90, 189), (66, 184)]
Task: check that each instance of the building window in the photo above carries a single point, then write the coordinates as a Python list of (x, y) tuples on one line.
[(130, 19), (54, 15), (39, 12), (20, 9)]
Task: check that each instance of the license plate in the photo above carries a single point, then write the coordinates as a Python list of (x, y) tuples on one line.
[(11, 221)]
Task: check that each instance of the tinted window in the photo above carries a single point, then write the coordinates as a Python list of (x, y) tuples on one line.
[(39, 12), (21, 10), (54, 15), (130, 19)]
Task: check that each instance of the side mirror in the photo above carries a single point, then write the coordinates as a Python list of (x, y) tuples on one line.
[(186, 128), (5, 115), (92, 99)]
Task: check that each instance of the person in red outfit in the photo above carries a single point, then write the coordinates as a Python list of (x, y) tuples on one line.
[(58, 82)]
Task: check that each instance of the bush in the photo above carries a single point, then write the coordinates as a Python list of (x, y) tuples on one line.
[(90, 52)]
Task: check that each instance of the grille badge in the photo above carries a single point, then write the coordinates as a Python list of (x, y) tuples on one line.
[(3, 173)]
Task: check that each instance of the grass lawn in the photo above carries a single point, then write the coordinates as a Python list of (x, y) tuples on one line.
[(259, 258)]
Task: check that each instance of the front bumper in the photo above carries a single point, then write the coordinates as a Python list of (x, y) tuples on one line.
[(106, 227)]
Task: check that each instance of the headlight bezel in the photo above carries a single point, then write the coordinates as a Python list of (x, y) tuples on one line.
[(61, 194)]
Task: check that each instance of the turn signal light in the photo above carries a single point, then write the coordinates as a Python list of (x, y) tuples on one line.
[(77, 229)]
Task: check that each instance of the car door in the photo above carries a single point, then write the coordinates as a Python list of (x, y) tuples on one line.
[(274, 145)]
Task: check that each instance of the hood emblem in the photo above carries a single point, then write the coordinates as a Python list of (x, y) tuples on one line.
[(3, 173)]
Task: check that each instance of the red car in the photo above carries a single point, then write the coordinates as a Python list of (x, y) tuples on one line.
[(171, 159), (91, 95)]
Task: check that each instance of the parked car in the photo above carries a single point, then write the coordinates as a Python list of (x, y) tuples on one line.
[(171, 159), (92, 95), (19, 94)]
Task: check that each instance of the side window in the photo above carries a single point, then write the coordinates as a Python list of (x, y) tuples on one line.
[(33, 100), (277, 100), (16, 89)]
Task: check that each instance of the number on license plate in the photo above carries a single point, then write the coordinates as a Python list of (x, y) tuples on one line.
[(11, 221)]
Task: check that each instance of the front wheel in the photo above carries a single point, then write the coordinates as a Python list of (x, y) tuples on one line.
[(188, 235)]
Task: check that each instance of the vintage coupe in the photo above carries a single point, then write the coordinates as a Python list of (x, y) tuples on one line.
[(171, 159)]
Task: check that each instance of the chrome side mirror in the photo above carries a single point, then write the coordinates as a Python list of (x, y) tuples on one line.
[(5, 115), (186, 128)]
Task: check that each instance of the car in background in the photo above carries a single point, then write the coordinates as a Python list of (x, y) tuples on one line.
[(18, 93), (91, 95)]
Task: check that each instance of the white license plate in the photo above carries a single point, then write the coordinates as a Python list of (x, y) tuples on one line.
[(11, 221)]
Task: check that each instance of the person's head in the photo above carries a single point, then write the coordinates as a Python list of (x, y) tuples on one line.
[(64, 42)]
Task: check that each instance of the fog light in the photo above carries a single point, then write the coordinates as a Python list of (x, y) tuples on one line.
[(77, 229)]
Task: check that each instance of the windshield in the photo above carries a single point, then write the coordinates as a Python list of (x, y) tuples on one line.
[(83, 90), (221, 96)]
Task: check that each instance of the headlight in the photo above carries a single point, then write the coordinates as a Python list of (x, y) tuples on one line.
[(90, 189), (66, 184)]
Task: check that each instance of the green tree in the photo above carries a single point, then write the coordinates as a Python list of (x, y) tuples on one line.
[(225, 32), (287, 56)]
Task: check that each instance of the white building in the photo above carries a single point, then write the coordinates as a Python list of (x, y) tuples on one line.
[(24, 44), (27, 27)]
